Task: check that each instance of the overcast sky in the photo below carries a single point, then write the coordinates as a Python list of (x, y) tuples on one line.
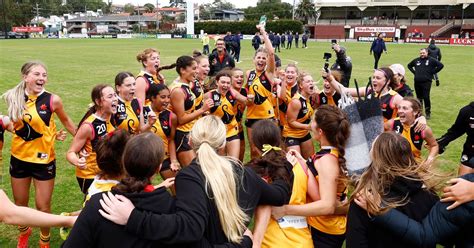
[(237, 3)]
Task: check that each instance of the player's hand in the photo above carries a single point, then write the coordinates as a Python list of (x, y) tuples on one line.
[(152, 118), (166, 183), (420, 124), (250, 98), (175, 165), (278, 212), (208, 104), (61, 135), (117, 208), (81, 163), (460, 191)]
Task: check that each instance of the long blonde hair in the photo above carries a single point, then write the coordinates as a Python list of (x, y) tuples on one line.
[(392, 158), (15, 97), (209, 134)]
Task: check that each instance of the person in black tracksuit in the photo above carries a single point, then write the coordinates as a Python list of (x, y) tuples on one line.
[(277, 42), (297, 39), (236, 44), (343, 64), (256, 41), (443, 226), (290, 41), (220, 59), (434, 52), (378, 47), (304, 39), (283, 40), (464, 124), (424, 67)]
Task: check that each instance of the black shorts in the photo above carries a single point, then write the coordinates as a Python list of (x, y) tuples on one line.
[(241, 135), (41, 172), (289, 141), (234, 137), (182, 141), (166, 165), (467, 159), (249, 122), (325, 240)]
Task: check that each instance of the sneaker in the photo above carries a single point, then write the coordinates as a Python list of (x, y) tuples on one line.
[(437, 82), (428, 116), (23, 239), (64, 231)]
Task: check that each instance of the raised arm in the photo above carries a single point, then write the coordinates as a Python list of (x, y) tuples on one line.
[(270, 52)]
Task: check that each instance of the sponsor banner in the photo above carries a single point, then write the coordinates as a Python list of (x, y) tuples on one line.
[(163, 36), (456, 41), (78, 36), (28, 29), (102, 29), (416, 40), (124, 36), (103, 36), (374, 29), (372, 38), (248, 37)]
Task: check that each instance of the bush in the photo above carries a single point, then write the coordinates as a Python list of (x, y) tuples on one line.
[(247, 27)]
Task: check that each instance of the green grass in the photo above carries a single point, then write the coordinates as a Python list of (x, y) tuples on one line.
[(75, 66)]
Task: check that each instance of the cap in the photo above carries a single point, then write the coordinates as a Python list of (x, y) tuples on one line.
[(398, 69)]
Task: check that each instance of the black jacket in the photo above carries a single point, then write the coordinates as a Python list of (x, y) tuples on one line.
[(404, 90), (443, 226), (434, 52), (344, 65), (196, 219), (424, 68), (464, 124), (93, 230), (362, 232), (216, 65)]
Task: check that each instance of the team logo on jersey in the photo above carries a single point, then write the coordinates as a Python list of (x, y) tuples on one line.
[(43, 109)]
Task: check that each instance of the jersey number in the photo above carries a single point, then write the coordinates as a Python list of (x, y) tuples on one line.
[(101, 129)]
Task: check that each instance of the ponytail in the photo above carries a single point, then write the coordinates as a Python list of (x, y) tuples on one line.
[(15, 100), (96, 96), (207, 135)]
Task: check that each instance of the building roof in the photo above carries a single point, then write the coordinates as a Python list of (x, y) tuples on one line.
[(114, 18), (171, 9), (235, 12)]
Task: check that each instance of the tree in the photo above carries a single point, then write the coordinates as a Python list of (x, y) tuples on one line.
[(149, 7), (129, 8), (270, 8), (107, 8), (306, 11)]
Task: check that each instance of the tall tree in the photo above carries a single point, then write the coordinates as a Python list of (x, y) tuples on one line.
[(306, 10), (149, 7), (129, 8), (271, 8)]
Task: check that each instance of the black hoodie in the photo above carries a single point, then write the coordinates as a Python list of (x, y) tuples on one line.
[(361, 230), (434, 52), (93, 230)]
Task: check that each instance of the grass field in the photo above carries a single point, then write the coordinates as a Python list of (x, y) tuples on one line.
[(75, 66)]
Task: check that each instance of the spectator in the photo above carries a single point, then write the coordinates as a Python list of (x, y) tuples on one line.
[(277, 42), (434, 52), (228, 42), (205, 44), (378, 46), (290, 41), (297, 38), (220, 58), (283, 40), (271, 36), (424, 67), (236, 45), (256, 41), (305, 40), (343, 64)]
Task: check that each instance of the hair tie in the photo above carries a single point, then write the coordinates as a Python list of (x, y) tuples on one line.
[(266, 148), (384, 73)]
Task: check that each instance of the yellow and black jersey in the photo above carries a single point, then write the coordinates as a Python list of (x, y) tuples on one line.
[(198, 92), (239, 109), (415, 138), (330, 224), (304, 116), (389, 111), (283, 103), (332, 100), (128, 115), (149, 79), (224, 109), (259, 85), (291, 231), (162, 128), (189, 104), (100, 128), (35, 134)]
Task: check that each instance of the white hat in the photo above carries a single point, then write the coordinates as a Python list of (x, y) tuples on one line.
[(398, 69)]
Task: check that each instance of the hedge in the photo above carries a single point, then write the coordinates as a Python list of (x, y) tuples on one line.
[(247, 27)]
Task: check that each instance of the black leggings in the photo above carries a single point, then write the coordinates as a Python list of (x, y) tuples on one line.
[(422, 90)]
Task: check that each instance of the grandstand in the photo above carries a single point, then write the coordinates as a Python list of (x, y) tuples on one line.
[(409, 20)]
